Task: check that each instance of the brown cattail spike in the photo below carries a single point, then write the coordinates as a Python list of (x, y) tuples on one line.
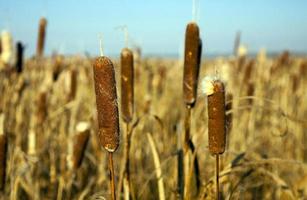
[(19, 57), (73, 84), (41, 37), (216, 118), (237, 43), (191, 63), (106, 100), (80, 143), (127, 84), (42, 108)]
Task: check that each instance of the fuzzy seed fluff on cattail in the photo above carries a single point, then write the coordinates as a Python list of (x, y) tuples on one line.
[(215, 91), (127, 84), (192, 59), (106, 100), (7, 48)]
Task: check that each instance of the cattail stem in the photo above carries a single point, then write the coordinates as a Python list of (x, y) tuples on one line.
[(187, 124), (112, 177), (127, 162), (180, 175), (217, 177), (125, 168), (186, 159)]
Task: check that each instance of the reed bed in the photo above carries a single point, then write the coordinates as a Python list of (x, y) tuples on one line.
[(265, 156)]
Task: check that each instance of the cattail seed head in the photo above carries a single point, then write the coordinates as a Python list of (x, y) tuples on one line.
[(106, 100), (72, 90), (127, 84), (248, 71), (303, 68), (41, 37), (216, 117), (192, 59), (80, 143), (19, 57), (41, 112), (57, 67)]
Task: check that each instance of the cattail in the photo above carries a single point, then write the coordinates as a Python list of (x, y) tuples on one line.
[(191, 63), (41, 112), (216, 115), (216, 121), (162, 76), (303, 68), (127, 84), (72, 85), (80, 143), (19, 57), (237, 43), (41, 37), (295, 82), (3, 151), (57, 67), (248, 71), (106, 100), (284, 58)]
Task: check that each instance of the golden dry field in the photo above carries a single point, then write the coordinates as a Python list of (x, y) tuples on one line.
[(48, 112)]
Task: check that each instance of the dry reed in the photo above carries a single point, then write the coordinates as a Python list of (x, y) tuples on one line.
[(106, 100), (80, 143), (127, 82), (107, 110), (191, 63), (216, 121)]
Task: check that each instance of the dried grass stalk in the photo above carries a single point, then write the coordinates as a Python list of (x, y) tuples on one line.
[(127, 84), (80, 143), (191, 63), (41, 37), (3, 151), (106, 100), (216, 118)]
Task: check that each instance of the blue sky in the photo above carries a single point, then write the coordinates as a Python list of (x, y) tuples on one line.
[(157, 25)]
